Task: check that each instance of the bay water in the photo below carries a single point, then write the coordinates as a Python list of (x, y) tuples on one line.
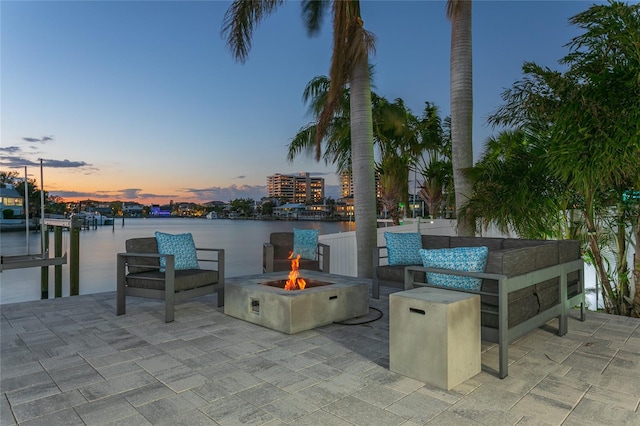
[(241, 239)]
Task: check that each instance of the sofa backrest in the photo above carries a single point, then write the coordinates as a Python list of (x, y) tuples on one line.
[(143, 245), (569, 250), (490, 243), (435, 241), (522, 242)]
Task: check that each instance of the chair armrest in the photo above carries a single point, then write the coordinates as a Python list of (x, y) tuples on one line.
[(219, 260), (219, 254), (132, 254), (168, 257), (410, 282), (267, 257)]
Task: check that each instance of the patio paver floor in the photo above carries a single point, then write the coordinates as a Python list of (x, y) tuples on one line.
[(73, 361)]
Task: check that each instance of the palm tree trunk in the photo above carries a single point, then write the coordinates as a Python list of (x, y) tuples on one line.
[(462, 110), (364, 190)]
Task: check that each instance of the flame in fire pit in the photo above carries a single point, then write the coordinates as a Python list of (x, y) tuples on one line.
[(295, 282)]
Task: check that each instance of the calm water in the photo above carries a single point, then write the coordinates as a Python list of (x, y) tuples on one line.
[(242, 241)]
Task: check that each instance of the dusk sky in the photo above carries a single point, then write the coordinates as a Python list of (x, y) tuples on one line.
[(142, 101)]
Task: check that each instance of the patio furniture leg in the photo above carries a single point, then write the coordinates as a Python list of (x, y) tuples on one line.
[(562, 320), (375, 284), (170, 289), (503, 331), (120, 286)]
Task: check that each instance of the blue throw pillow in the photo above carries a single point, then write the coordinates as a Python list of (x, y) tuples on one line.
[(181, 246), (305, 243), (403, 248), (469, 259)]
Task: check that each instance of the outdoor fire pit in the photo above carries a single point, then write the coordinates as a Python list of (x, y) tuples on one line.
[(326, 298), (282, 283)]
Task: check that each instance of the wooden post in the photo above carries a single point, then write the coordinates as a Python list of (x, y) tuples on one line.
[(57, 270), (74, 258), (44, 271)]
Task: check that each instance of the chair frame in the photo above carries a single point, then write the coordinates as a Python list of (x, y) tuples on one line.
[(169, 294)]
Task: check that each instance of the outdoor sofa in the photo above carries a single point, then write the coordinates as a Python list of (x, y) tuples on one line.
[(525, 284), (140, 274)]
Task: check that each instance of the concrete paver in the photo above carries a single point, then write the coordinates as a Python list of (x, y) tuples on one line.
[(73, 361)]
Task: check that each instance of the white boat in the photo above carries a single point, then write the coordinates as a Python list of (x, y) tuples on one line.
[(94, 218), (212, 215)]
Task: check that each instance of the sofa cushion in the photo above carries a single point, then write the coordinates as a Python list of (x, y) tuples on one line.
[(391, 273), (305, 243), (403, 248), (469, 259), (181, 246), (511, 262), (548, 293), (519, 311)]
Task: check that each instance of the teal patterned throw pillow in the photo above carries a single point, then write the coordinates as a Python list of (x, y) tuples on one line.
[(469, 259), (181, 246), (305, 243), (403, 248)]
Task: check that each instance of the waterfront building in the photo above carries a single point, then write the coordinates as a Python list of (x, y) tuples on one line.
[(10, 199), (300, 188), (345, 208), (158, 211)]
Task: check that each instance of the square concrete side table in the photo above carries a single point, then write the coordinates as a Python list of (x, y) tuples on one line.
[(434, 335)]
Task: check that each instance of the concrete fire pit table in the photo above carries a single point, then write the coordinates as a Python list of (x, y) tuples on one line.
[(260, 299)]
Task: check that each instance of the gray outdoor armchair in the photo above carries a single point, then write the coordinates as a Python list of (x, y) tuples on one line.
[(139, 275), (275, 255)]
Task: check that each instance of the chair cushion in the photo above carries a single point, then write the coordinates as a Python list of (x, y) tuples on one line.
[(181, 246), (305, 243), (391, 273), (469, 259), (185, 279), (403, 248)]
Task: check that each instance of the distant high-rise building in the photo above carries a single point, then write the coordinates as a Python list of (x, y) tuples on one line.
[(346, 180), (300, 188)]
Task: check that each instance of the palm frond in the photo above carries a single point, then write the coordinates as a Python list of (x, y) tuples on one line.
[(303, 141), (239, 22), (312, 14), (351, 46)]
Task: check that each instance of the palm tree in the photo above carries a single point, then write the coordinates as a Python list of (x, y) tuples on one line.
[(516, 191), (432, 187), (349, 66), (434, 163), (400, 137), (459, 12), (587, 118)]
